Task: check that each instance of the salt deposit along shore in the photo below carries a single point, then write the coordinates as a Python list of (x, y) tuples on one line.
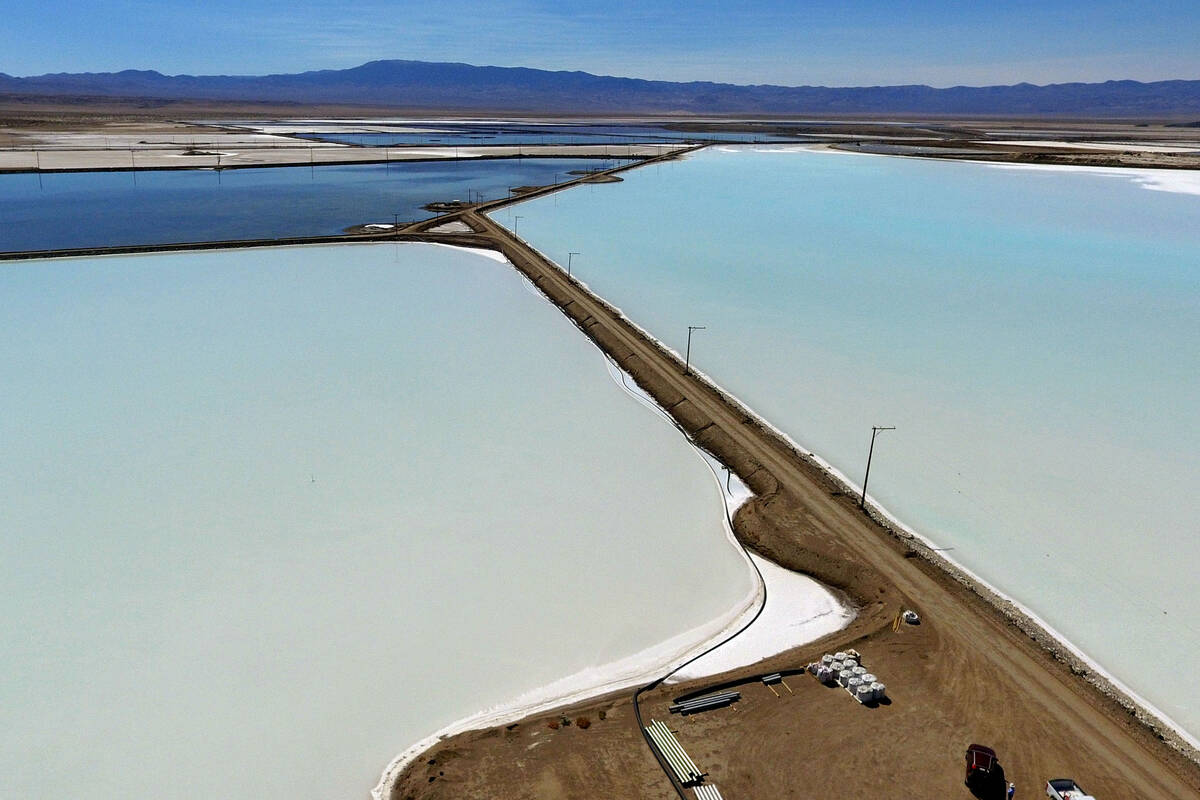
[(796, 610), (601, 755), (1010, 685), (783, 610)]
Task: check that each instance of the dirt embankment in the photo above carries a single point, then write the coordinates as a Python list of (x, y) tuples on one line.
[(974, 670), (971, 671)]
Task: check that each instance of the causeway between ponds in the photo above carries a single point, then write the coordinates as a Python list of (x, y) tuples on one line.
[(975, 669)]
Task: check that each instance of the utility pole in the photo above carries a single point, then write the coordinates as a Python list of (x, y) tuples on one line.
[(687, 359), (569, 257), (875, 429), (515, 219), (396, 224)]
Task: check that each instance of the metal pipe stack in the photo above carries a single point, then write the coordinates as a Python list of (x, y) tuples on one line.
[(706, 703), (664, 741)]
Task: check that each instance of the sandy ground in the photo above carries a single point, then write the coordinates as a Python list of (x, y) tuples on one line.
[(61, 135), (974, 670), (30, 150), (1079, 157), (1065, 155), (1095, 144), (1147, 147), (61, 141)]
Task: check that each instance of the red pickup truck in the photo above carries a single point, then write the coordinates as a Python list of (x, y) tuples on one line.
[(981, 764)]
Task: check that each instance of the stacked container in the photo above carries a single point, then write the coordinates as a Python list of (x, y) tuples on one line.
[(845, 669)]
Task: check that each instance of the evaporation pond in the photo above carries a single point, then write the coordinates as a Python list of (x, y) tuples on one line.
[(1033, 334), (271, 516), (54, 211)]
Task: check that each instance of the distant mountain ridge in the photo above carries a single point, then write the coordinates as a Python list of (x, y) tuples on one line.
[(463, 87)]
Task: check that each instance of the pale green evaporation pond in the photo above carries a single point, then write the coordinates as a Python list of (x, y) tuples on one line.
[(1034, 335), (269, 517)]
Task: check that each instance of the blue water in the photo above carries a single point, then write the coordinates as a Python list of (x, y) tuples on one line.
[(92, 209), (1034, 335), (270, 516)]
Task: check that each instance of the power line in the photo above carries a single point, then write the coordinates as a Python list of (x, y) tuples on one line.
[(875, 429), (687, 359)]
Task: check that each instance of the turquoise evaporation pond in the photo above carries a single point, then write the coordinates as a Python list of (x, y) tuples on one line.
[(1033, 335), (269, 517)]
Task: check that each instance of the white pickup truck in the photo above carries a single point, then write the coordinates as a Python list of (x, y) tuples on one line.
[(1066, 789)]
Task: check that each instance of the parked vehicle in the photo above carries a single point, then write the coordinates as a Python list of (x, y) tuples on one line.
[(1066, 789), (981, 764)]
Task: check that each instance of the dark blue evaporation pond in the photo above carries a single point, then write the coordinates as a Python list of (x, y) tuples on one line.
[(104, 209)]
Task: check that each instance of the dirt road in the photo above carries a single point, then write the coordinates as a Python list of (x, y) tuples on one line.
[(967, 673)]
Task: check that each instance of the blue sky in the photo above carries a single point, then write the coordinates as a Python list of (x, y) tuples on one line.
[(939, 42)]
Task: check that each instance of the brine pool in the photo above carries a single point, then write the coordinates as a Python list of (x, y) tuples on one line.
[(271, 516), (1033, 334)]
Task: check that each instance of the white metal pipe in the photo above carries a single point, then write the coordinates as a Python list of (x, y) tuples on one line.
[(680, 768), (673, 743)]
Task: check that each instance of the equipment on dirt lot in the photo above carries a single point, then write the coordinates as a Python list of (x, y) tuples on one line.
[(665, 742), (846, 670), (706, 703)]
